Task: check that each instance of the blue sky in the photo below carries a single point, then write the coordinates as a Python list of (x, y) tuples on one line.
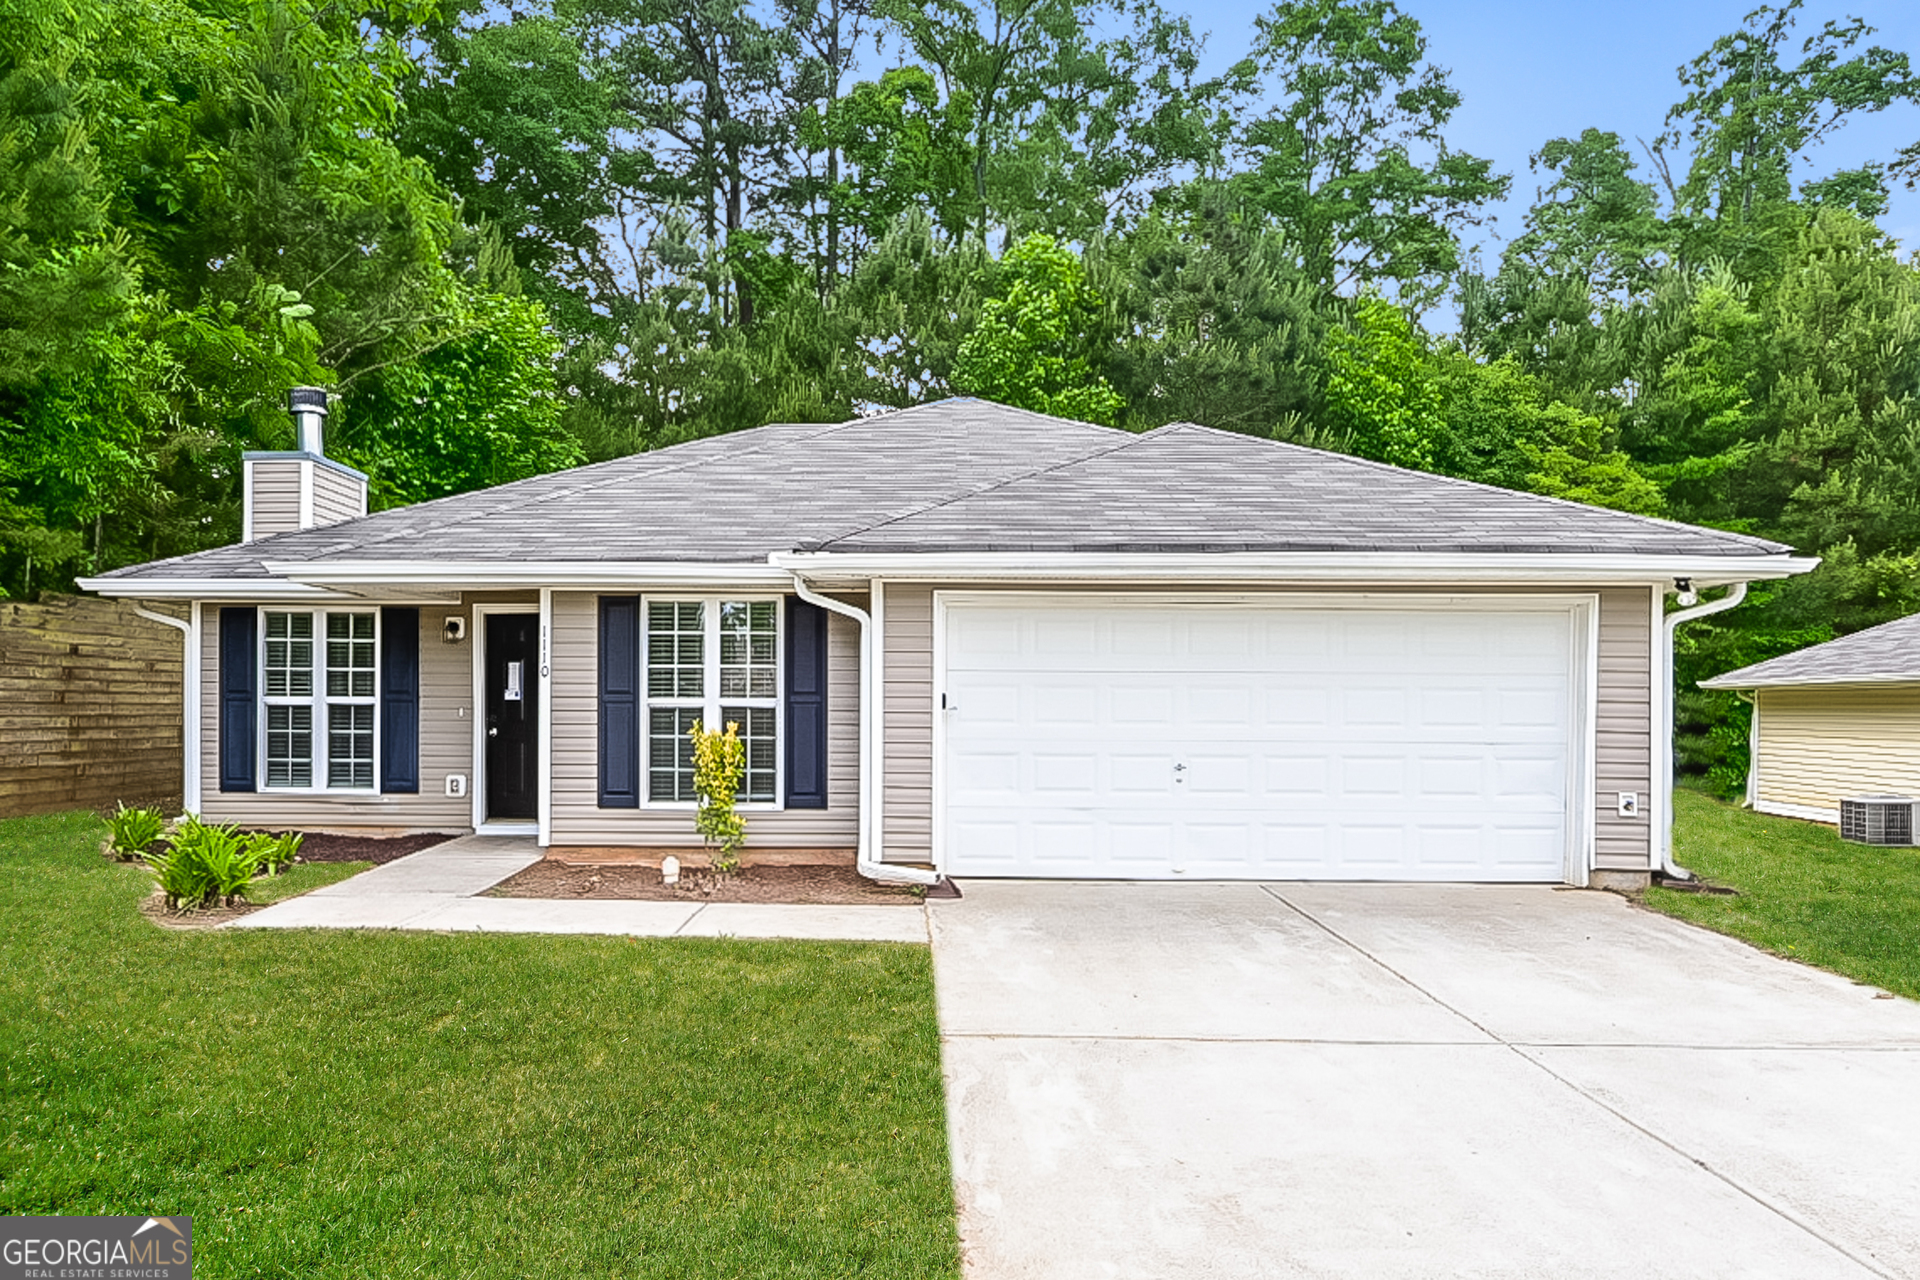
[(1533, 71)]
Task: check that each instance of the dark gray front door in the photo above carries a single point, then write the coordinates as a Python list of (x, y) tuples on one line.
[(513, 716)]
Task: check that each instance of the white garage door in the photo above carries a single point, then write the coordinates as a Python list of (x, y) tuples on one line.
[(1101, 738)]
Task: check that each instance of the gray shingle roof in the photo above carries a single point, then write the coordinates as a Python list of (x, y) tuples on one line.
[(1887, 653), (965, 475)]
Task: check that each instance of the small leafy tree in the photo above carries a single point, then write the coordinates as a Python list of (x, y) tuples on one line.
[(1031, 346), (719, 763), (1380, 393)]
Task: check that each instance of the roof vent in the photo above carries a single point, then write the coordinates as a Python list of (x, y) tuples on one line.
[(308, 405), (1877, 820)]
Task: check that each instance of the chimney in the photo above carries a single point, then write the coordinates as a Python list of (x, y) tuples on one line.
[(303, 488)]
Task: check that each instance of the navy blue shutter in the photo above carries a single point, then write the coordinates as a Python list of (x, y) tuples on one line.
[(806, 705), (400, 700), (619, 742), (239, 697)]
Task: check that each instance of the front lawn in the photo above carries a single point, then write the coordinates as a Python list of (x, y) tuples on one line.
[(1854, 909), (301, 877), (382, 1104)]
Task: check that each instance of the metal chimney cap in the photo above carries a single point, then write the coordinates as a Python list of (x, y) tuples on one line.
[(307, 400)]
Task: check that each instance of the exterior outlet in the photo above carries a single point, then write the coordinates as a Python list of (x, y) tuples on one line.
[(302, 488), (457, 785)]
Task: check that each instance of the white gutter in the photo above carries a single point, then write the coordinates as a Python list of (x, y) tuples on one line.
[(494, 574), (237, 589), (866, 859), (1663, 718), (1290, 566), (189, 628)]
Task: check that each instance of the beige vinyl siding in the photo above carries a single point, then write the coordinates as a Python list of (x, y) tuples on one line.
[(1818, 746), (577, 817), (337, 496), (446, 746), (1623, 730), (275, 495)]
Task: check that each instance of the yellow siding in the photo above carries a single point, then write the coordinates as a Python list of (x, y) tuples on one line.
[(1818, 746), (577, 817), (1623, 732)]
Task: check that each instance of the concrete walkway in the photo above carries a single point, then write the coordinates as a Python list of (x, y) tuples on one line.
[(1237, 1080), (439, 889)]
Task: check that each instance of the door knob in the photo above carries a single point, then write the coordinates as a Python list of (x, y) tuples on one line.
[(493, 731)]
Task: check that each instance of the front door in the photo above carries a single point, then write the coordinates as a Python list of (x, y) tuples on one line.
[(513, 716)]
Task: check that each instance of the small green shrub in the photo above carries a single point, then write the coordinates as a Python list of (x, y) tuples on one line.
[(274, 853), (719, 762), (204, 866), (131, 832)]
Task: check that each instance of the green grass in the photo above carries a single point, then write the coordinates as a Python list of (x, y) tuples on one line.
[(302, 877), (1854, 909), (386, 1104)]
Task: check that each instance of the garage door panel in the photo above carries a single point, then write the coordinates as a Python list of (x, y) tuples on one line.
[(1332, 742)]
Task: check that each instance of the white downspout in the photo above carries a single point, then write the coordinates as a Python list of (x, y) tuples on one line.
[(866, 858), (189, 628), (1663, 696)]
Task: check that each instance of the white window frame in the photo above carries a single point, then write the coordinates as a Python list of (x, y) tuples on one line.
[(710, 693), (318, 700)]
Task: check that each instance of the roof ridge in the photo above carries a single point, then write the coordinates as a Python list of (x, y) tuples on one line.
[(1435, 476), (572, 492), (1129, 440)]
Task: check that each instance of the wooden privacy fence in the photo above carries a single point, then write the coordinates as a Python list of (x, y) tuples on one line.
[(89, 706)]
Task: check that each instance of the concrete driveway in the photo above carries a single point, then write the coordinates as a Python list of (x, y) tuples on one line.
[(1149, 1080)]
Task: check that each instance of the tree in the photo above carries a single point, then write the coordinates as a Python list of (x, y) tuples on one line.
[(1381, 399), (1352, 159), (1595, 221), (1748, 113), (1031, 345)]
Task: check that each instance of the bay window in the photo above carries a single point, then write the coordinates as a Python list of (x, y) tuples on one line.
[(717, 662), (318, 693)]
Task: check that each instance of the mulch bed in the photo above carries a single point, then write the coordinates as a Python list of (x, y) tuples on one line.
[(154, 907), (317, 847), (806, 883)]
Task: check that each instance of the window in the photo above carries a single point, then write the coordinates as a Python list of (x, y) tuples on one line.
[(319, 689), (718, 662)]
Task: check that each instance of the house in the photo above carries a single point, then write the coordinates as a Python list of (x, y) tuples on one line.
[(1832, 721), (958, 636)]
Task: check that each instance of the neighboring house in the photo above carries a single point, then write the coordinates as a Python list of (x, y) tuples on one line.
[(961, 636), (1833, 721)]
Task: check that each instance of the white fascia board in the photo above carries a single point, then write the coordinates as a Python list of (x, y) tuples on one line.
[(1802, 682), (497, 574), (205, 589), (1346, 567)]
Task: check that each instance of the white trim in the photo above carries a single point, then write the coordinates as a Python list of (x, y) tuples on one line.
[(1382, 567), (1808, 812), (190, 662), (1582, 608), (877, 714), (1753, 746), (543, 750), (477, 782), (711, 698), (319, 701), (1820, 682), (305, 466), (246, 500), (1583, 764), (232, 590)]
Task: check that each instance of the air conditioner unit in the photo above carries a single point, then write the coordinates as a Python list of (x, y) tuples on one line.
[(1877, 820)]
